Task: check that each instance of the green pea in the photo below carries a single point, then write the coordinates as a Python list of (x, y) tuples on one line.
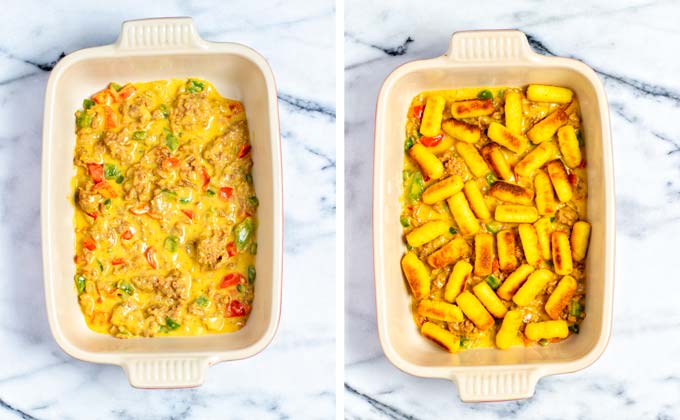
[(171, 324), (202, 301), (240, 288), (405, 221), (408, 143), (120, 179), (194, 86), (494, 227), (172, 142), (210, 192), (126, 287), (574, 328), (139, 135), (185, 200), (251, 274), (243, 233), (249, 178), (111, 171), (416, 187), (88, 103), (171, 243), (491, 178), (575, 308), (253, 248), (453, 230), (80, 283), (579, 136), (485, 94), (493, 282), (83, 120), (107, 203), (253, 201)]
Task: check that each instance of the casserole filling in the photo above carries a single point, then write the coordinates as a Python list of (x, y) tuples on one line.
[(165, 210), (493, 214)]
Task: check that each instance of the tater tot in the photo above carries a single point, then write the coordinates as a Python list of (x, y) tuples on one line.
[(569, 147), (439, 311), (461, 131), (427, 232), (529, 240), (543, 231), (536, 158), (532, 287), (506, 138), (545, 196), (507, 334), (545, 93), (580, 236), (462, 214), (442, 189), (560, 181), (458, 278), (483, 254), (560, 297), (547, 329), (432, 116), (572, 108), (417, 275), (505, 243), (476, 200), (493, 155), (514, 281), (428, 162), (515, 213), (474, 310), (472, 159), (488, 297), (439, 335), (513, 112), (511, 193), (561, 253), (472, 108), (547, 127), (454, 250)]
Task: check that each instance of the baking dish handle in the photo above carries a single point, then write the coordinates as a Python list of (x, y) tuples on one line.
[(489, 46), (165, 372), (159, 33), (495, 385)]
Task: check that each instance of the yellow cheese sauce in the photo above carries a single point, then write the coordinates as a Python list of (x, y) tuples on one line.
[(471, 140), (165, 210)]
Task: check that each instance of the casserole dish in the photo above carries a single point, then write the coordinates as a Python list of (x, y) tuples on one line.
[(146, 50), (475, 59)]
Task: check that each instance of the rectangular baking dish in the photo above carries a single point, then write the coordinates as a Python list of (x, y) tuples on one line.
[(146, 50), (475, 59)]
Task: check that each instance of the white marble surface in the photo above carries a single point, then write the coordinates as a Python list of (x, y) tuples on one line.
[(294, 376), (633, 45)]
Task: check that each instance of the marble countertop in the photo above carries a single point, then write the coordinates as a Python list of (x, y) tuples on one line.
[(632, 45), (38, 380)]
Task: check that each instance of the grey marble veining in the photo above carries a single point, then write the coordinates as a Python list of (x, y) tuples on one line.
[(290, 379), (632, 45)]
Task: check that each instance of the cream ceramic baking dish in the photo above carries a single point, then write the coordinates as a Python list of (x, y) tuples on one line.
[(148, 50), (489, 58)]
